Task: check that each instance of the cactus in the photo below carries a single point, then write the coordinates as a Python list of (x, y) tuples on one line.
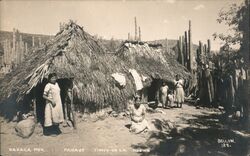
[(184, 51), (21, 48), (180, 52), (198, 56), (135, 29), (9, 52), (26, 47), (190, 49), (5, 51), (209, 48), (33, 41), (14, 39), (139, 33), (167, 48), (40, 41), (201, 52), (186, 46), (205, 49)]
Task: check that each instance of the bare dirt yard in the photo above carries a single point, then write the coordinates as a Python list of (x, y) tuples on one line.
[(175, 131)]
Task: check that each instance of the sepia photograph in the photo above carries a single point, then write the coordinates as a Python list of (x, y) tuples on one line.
[(124, 78)]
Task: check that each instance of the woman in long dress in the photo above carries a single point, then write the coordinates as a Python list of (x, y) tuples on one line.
[(53, 108), (137, 114), (179, 91)]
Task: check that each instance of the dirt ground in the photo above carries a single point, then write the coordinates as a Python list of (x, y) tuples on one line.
[(176, 131)]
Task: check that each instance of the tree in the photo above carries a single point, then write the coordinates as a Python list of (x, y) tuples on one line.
[(237, 20)]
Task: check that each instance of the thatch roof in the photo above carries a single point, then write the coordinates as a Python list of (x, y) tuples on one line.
[(71, 53), (151, 60), (75, 53)]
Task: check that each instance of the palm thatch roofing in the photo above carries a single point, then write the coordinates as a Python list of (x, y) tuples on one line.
[(151, 60), (71, 53), (75, 53)]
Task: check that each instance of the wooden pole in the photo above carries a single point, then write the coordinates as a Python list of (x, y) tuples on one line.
[(34, 109), (73, 109), (66, 113)]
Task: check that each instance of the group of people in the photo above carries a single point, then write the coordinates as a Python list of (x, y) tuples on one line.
[(53, 114), (169, 97)]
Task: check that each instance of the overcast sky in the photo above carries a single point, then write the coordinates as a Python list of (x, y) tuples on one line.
[(158, 19)]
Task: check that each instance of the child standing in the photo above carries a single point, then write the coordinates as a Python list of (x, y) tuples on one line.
[(170, 99)]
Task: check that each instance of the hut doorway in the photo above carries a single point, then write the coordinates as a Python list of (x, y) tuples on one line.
[(64, 84), (153, 90)]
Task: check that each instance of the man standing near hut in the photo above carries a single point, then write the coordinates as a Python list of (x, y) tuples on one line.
[(53, 108), (164, 94)]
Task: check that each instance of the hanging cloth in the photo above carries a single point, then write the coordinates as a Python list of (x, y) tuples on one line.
[(120, 78), (137, 79)]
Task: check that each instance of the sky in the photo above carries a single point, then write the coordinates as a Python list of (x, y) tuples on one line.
[(158, 19)]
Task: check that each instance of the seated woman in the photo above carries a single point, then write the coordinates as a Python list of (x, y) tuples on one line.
[(137, 114)]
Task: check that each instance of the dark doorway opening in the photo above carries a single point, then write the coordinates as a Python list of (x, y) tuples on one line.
[(64, 84), (153, 91)]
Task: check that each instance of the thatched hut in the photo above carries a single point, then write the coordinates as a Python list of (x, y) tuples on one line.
[(72, 53), (151, 61)]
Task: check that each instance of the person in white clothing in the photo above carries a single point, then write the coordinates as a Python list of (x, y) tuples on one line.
[(170, 99), (137, 114), (164, 94), (179, 91), (53, 114)]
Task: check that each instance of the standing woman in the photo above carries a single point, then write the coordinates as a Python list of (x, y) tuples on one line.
[(179, 91), (53, 108)]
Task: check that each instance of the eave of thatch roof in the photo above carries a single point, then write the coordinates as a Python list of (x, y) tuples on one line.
[(151, 60)]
